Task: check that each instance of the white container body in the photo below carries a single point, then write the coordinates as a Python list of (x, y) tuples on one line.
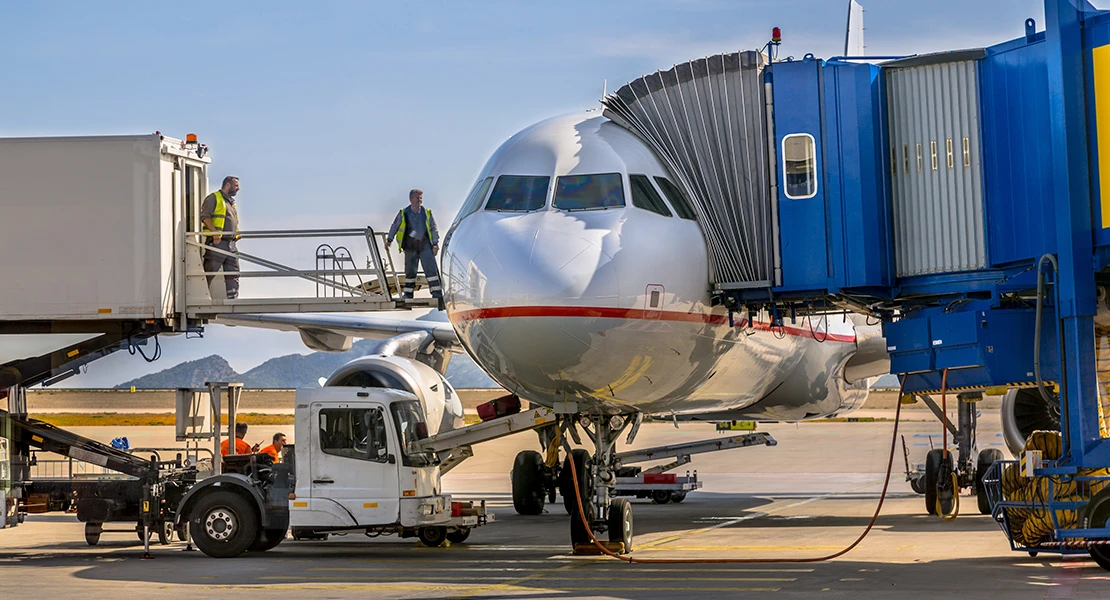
[(87, 228)]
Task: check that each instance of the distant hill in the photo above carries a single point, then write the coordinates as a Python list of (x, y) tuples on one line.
[(187, 374), (292, 371), (885, 382)]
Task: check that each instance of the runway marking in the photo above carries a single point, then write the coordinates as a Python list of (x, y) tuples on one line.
[(758, 515)]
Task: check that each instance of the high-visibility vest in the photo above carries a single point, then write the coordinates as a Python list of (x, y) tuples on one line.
[(219, 215), (427, 225)]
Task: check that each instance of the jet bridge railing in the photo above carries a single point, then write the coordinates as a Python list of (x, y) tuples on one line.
[(339, 285)]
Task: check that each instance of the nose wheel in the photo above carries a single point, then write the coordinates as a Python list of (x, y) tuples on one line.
[(591, 508)]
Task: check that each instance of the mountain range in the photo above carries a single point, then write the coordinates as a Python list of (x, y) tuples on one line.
[(291, 371)]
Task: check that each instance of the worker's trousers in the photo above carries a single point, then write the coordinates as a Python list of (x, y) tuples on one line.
[(214, 261), (431, 271)]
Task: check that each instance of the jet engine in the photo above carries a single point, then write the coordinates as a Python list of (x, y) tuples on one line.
[(1025, 411), (442, 407)]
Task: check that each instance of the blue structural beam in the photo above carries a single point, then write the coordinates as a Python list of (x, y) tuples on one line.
[(1074, 231)]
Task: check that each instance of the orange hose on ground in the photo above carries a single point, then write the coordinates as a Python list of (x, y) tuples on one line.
[(674, 561)]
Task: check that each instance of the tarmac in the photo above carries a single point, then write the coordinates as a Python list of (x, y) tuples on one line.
[(810, 496)]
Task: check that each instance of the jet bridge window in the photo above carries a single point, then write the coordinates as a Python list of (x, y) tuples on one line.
[(678, 201), (586, 192), (354, 433), (519, 193), (644, 196), (799, 166)]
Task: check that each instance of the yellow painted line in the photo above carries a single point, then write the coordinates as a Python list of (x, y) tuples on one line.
[(1100, 62), (732, 548), (505, 587), (636, 569), (570, 576)]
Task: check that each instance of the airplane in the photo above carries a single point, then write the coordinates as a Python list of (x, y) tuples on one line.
[(576, 275)]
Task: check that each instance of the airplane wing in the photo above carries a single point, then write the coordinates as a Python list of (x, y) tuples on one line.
[(333, 333)]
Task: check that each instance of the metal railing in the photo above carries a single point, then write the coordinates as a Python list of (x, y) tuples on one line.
[(325, 277)]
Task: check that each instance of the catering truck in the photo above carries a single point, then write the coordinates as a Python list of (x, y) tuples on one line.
[(359, 465)]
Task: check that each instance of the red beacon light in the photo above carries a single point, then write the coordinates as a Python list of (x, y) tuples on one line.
[(776, 35)]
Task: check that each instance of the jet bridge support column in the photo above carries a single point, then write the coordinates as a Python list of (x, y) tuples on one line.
[(1074, 280)]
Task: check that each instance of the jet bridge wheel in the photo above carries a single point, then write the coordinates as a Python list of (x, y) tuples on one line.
[(92, 533), (983, 463), (1096, 515), (528, 483)]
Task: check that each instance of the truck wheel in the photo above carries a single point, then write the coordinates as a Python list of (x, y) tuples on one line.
[(459, 535), (92, 533), (620, 522), (165, 532), (661, 497), (677, 497), (528, 483), (1096, 515), (181, 533), (223, 524), (268, 540), (983, 463), (566, 487), (432, 537)]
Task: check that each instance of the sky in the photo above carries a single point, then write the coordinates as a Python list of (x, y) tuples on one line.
[(329, 112)]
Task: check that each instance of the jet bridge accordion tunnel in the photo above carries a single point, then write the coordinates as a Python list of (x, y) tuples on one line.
[(921, 191)]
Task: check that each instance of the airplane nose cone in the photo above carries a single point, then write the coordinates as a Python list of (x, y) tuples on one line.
[(512, 284)]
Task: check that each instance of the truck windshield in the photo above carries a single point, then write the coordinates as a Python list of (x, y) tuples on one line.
[(411, 427)]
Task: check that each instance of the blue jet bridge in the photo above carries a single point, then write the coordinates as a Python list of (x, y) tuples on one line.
[(955, 197)]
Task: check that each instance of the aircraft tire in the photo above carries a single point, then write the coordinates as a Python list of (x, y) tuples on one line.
[(528, 483), (620, 522), (933, 462), (566, 488)]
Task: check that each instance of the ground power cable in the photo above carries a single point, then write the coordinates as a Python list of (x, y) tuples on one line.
[(814, 559)]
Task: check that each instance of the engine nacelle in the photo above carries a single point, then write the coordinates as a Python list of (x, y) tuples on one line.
[(1025, 411), (442, 406)]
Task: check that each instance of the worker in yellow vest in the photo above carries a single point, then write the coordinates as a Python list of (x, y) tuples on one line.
[(415, 230), (219, 215)]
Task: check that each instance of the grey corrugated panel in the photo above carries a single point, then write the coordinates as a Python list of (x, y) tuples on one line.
[(706, 120), (938, 215)]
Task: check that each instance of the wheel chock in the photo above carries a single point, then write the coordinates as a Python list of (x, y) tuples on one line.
[(591, 549)]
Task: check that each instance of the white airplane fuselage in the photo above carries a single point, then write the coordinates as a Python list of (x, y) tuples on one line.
[(610, 307)]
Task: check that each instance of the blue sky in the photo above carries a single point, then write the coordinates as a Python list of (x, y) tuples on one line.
[(330, 111)]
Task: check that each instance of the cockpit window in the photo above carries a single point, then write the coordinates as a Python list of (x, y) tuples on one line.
[(584, 192), (678, 201), (519, 193), (474, 200), (644, 196)]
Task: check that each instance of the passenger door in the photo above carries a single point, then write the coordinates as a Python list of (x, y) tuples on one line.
[(353, 465)]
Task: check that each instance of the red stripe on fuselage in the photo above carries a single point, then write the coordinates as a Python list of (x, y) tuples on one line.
[(638, 315)]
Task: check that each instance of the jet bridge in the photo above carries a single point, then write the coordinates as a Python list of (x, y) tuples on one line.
[(103, 243)]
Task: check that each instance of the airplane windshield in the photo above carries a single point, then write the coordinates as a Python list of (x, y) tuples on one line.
[(519, 193), (584, 192), (644, 196), (678, 201), (411, 427)]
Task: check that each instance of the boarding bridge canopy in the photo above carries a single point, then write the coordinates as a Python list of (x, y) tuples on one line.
[(707, 120)]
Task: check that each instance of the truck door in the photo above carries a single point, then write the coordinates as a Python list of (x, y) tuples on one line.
[(350, 465)]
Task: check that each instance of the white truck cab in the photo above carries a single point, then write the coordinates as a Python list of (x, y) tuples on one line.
[(355, 466)]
